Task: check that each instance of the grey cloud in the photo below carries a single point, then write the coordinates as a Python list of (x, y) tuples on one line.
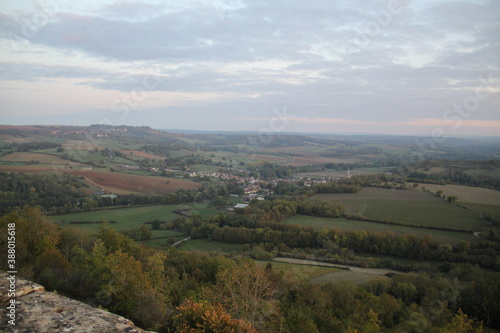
[(356, 80)]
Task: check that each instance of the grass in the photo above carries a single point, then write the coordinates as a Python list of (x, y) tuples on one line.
[(204, 168), (41, 158), (484, 172), (302, 272), (340, 173), (130, 218), (467, 194), (161, 242), (341, 224), (414, 207), (205, 245), (488, 209)]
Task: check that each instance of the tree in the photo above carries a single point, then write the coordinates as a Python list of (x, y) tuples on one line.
[(451, 198), (156, 225), (461, 323), (247, 292), (203, 317), (34, 236)]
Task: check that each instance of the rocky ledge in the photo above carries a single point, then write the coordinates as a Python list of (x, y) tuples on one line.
[(38, 311)]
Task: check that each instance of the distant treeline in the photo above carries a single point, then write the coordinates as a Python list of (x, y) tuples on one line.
[(35, 145)]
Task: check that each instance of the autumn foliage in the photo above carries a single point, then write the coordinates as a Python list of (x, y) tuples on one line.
[(203, 317)]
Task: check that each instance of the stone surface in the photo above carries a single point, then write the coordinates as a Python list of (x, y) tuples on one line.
[(39, 311)]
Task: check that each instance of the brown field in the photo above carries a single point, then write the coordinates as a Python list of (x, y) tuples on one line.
[(467, 194), (41, 158), (141, 154), (25, 169), (12, 139), (114, 182), (120, 183)]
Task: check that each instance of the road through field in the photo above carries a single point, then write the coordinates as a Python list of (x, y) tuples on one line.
[(357, 274)]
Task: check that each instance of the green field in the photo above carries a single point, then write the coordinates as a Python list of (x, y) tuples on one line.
[(414, 207), (488, 209), (130, 218), (206, 245), (342, 224), (301, 272), (165, 234), (467, 194), (483, 172)]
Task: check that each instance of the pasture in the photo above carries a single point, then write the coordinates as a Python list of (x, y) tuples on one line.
[(139, 155), (408, 206), (205, 245), (341, 173), (467, 194), (38, 157), (356, 274), (134, 217), (159, 238), (342, 224), (299, 271)]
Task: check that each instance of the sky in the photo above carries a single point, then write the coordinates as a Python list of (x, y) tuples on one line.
[(398, 67)]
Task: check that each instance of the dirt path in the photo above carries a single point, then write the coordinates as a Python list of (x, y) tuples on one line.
[(357, 274), (181, 241)]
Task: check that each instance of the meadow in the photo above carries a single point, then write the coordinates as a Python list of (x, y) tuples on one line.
[(342, 224), (134, 217), (36, 158), (299, 271), (205, 245), (467, 194), (408, 206)]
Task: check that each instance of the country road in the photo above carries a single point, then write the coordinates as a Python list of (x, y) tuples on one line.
[(181, 241), (357, 274)]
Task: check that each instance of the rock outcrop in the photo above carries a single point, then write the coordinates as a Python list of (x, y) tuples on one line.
[(39, 311)]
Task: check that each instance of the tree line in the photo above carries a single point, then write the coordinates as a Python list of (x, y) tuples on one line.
[(172, 291)]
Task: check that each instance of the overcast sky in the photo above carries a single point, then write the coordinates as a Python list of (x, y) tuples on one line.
[(346, 66)]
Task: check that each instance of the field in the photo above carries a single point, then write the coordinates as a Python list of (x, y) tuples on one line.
[(356, 274), (307, 155), (139, 155), (271, 158), (407, 206), (159, 238), (341, 224), (28, 168), (342, 173), (82, 145), (130, 218), (467, 194), (298, 271), (40, 158), (121, 183), (205, 245)]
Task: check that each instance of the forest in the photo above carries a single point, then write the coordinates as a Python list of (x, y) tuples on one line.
[(172, 291)]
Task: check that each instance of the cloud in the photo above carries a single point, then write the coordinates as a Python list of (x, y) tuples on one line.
[(353, 61)]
